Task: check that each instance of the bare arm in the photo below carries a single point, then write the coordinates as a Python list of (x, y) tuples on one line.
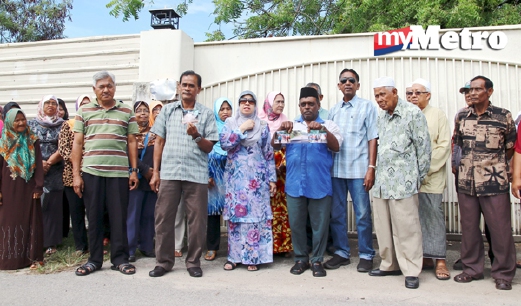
[(516, 175), (370, 173), (158, 153), (76, 155), (133, 180)]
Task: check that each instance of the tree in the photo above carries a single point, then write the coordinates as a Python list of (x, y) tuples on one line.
[(33, 20), (127, 8)]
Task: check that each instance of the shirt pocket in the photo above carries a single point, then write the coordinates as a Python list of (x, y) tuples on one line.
[(494, 137)]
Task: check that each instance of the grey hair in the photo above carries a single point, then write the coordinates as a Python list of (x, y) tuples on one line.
[(311, 84), (102, 75)]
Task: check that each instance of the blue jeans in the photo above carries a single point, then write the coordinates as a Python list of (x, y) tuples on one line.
[(338, 223)]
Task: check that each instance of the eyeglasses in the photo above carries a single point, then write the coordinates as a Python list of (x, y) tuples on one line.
[(142, 111), (350, 79), (51, 103), (244, 100), (417, 93)]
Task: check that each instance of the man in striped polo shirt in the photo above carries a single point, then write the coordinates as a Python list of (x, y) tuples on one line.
[(106, 130)]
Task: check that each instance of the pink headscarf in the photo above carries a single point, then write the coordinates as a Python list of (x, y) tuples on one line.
[(45, 120), (266, 113)]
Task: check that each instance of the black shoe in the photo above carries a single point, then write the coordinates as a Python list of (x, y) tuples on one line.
[(412, 282), (195, 272), (364, 265), (378, 272), (132, 258), (318, 270), (148, 254), (336, 261), (458, 265), (157, 272), (299, 267)]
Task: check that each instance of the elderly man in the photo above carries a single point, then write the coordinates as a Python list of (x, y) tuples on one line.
[(353, 172), (408, 92), (106, 129), (306, 164), (432, 216), (404, 154), (186, 132), (486, 135)]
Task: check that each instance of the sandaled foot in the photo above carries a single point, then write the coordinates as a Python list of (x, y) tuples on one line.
[(442, 273), (466, 278), (178, 253), (125, 268), (36, 264), (518, 264), (210, 255), (86, 269), (106, 241), (253, 268), (318, 270), (50, 251), (502, 284), (299, 267), (228, 266)]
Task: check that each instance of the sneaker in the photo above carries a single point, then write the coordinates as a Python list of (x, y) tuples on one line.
[(364, 265), (336, 261)]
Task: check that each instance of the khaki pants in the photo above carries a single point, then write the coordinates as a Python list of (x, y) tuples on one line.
[(398, 230)]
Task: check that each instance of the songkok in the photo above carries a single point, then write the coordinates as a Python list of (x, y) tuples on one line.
[(308, 92), (424, 83), (464, 88), (383, 82)]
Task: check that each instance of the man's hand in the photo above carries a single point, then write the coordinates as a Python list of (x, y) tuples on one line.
[(148, 176), (191, 130), (314, 126), (286, 126), (133, 181), (77, 184), (247, 125), (46, 167), (154, 182), (211, 183), (369, 179), (37, 195)]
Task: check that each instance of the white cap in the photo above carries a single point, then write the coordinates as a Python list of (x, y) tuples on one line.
[(424, 83), (383, 82), (408, 85)]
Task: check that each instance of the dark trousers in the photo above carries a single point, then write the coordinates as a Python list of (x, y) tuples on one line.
[(497, 214), (140, 220), (66, 216), (319, 214), (52, 211), (77, 210), (213, 233), (112, 193)]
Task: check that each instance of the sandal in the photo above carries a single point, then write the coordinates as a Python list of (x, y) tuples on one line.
[(210, 255), (318, 269), (125, 268), (442, 273), (231, 264), (86, 269), (36, 264), (518, 264), (299, 267), (178, 253), (50, 251), (253, 268), (466, 278), (106, 241)]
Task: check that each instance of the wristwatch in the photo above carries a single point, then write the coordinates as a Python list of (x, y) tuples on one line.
[(197, 139), (130, 170)]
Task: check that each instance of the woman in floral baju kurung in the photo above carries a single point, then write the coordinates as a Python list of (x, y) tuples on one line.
[(250, 178)]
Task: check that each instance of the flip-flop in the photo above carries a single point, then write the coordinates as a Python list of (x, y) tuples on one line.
[(210, 255), (87, 268), (125, 268), (232, 264)]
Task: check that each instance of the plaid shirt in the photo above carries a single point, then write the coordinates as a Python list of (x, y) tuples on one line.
[(182, 159), (484, 141), (357, 122)]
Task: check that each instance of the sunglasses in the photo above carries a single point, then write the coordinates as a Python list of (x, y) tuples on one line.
[(244, 100), (417, 93), (350, 79)]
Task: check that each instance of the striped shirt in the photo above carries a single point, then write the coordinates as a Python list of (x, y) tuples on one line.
[(105, 138), (182, 159)]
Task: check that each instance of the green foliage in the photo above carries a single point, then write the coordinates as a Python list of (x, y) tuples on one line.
[(33, 20), (127, 8)]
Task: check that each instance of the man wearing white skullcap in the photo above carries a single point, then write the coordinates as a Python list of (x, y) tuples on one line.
[(408, 92), (404, 154), (432, 217)]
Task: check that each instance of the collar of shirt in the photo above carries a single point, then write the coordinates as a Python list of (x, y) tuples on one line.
[(319, 120), (116, 105), (397, 109), (488, 111), (350, 102)]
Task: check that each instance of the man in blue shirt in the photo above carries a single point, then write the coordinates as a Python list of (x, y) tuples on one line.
[(308, 162), (353, 172)]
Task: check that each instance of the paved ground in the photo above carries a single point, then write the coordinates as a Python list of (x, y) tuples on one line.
[(272, 285)]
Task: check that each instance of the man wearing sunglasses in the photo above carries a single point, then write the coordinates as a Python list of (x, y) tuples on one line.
[(354, 172)]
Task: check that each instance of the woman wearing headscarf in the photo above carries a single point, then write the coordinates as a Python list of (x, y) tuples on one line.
[(250, 179), (142, 201), (76, 206), (21, 183), (155, 109), (222, 110), (47, 126), (272, 114)]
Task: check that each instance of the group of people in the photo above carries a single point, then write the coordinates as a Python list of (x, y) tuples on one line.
[(141, 165)]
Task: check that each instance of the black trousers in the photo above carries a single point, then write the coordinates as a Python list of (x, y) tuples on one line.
[(213, 233), (77, 211), (112, 194)]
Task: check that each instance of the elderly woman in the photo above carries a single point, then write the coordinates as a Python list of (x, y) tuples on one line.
[(250, 178), (142, 201), (47, 126), (76, 206), (21, 183), (222, 110), (272, 114)]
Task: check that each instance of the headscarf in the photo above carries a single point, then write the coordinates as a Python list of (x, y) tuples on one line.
[(78, 101), (61, 104), (44, 120), (266, 113), (8, 106), (220, 124), (153, 104), (252, 136), (144, 130), (17, 149)]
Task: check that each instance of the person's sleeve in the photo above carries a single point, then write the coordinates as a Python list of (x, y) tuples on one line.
[(210, 128), (267, 150), (518, 141), (510, 133), (422, 143), (38, 172), (370, 122), (159, 127), (65, 141), (79, 123), (229, 138), (441, 149), (458, 140), (132, 124), (211, 159), (335, 130)]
